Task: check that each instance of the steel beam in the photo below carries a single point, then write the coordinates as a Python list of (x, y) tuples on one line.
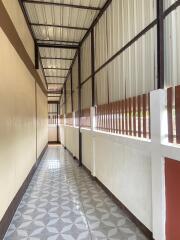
[(58, 26), (52, 102), (45, 45), (56, 58), (64, 69), (60, 77), (160, 43), (57, 41), (85, 7), (36, 50), (93, 67), (55, 83), (79, 106), (103, 9), (72, 107)]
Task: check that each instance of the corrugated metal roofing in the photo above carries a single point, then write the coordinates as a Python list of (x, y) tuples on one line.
[(60, 21)]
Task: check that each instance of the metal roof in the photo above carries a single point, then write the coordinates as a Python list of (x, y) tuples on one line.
[(59, 22)]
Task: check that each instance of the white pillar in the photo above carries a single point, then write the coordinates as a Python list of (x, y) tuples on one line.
[(158, 136)]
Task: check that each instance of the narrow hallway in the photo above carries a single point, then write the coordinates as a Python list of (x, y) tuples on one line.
[(63, 202)]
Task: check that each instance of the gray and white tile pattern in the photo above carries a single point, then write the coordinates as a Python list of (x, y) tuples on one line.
[(63, 202)]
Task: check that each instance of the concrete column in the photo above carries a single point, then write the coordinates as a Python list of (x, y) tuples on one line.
[(158, 136)]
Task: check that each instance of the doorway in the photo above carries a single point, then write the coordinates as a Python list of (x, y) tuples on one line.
[(53, 123)]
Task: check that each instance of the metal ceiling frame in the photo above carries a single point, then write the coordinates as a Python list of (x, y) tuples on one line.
[(59, 44), (60, 77), (63, 69), (56, 58), (57, 41), (55, 83), (58, 26), (65, 46), (85, 7)]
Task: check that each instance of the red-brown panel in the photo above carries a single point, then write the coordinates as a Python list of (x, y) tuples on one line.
[(130, 116), (126, 117), (120, 112), (114, 115), (177, 110), (172, 180), (134, 116), (108, 123), (149, 112), (117, 118), (104, 120), (139, 115), (100, 113), (169, 114), (105, 117), (144, 103), (102, 117), (97, 117), (111, 117), (123, 118)]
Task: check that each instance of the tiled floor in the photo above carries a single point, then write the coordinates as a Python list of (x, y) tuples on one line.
[(63, 202)]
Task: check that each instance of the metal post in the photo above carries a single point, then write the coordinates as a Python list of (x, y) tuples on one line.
[(72, 104), (58, 140), (160, 43), (93, 67), (65, 98), (36, 56), (79, 106)]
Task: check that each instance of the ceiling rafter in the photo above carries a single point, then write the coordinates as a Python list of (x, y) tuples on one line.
[(45, 45), (32, 34), (56, 83), (85, 7), (60, 77), (58, 26), (51, 68), (103, 9), (56, 58), (57, 41)]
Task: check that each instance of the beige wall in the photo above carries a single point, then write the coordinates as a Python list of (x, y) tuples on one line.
[(14, 10), (17, 123), (18, 119), (42, 121)]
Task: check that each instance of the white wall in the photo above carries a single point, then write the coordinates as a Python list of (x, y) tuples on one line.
[(87, 149), (124, 167), (69, 137), (52, 133)]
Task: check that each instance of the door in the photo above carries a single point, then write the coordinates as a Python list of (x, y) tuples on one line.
[(53, 122)]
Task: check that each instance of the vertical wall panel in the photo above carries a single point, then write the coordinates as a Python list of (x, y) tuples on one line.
[(75, 84), (172, 177), (68, 95), (172, 48), (133, 72)]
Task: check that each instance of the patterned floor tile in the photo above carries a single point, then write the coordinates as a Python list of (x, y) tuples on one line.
[(63, 202)]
